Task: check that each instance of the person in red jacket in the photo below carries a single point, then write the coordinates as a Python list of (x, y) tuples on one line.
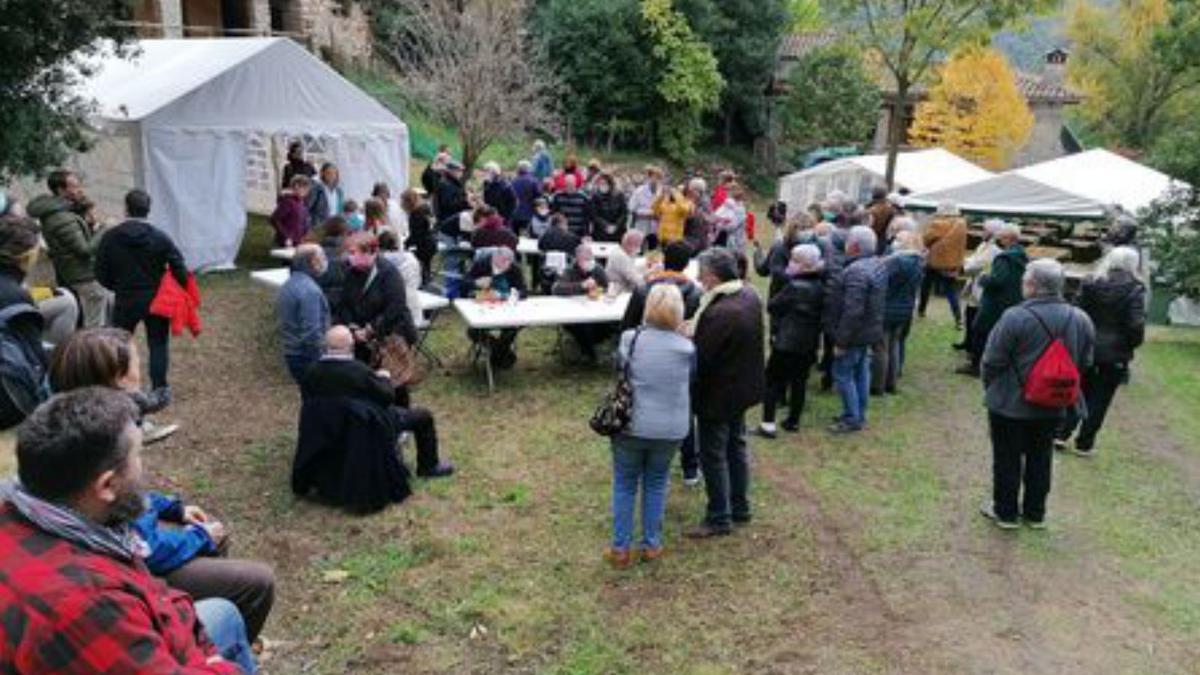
[(77, 597), (290, 218)]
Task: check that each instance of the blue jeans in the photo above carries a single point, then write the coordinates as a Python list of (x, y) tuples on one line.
[(227, 631), (726, 464), (648, 461), (852, 376)]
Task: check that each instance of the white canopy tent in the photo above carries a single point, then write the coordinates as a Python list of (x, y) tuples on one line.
[(919, 171), (199, 123), (1103, 176), (1011, 194)]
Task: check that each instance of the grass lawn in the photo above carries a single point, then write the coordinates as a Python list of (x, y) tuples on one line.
[(866, 554)]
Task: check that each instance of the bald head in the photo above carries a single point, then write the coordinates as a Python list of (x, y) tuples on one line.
[(339, 340)]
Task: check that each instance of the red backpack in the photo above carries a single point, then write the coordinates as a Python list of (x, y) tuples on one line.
[(1054, 380)]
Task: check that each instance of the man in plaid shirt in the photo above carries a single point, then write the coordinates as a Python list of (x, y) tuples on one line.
[(75, 596)]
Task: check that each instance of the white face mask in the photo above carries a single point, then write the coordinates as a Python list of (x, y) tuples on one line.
[(543, 212)]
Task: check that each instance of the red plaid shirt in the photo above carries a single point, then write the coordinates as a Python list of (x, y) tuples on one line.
[(66, 609)]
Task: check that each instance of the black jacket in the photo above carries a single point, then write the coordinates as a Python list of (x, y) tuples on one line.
[(856, 302), (571, 281), (450, 198), (637, 302), (559, 240), (27, 328), (132, 258), (381, 305), (774, 265), (421, 237), (513, 278), (347, 378), (1117, 307), (430, 178), (609, 213), (346, 452), (499, 195), (730, 375), (577, 209), (797, 314)]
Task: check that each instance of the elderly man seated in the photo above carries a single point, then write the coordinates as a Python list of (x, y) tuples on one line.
[(303, 310), (622, 269), (497, 277), (585, 277), (339, 375)]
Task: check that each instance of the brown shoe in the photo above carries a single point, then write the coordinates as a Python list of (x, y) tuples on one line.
[(618, 559), (649, 555), (706, 531)]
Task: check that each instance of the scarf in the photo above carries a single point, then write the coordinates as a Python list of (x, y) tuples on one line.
[(728, 288), (118, 542)]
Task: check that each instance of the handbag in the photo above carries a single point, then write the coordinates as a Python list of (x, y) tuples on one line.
[(615, 411), (393, 354)]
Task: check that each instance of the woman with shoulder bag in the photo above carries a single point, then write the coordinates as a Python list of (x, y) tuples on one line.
[(659, 364)]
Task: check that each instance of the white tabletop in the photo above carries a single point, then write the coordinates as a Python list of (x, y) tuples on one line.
[(543, 311), (283, 253), (275, 278), (601, 249)]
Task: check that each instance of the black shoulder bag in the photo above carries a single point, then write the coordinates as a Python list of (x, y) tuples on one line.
[(615, 411)]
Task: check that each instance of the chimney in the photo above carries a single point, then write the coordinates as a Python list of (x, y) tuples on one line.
[(1056, 66)]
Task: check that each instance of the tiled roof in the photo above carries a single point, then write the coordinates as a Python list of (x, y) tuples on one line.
[(1038, 90), (796, 45)]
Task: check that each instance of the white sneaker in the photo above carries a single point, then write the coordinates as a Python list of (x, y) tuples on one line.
[(989, 512), (693, 480), (153, 433)]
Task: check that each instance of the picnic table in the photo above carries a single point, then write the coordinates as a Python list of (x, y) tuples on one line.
[(535, 311)]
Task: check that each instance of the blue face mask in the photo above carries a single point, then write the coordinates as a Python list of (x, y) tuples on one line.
[(356, 222)]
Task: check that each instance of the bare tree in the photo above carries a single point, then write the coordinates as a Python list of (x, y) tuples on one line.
[(472, 65)]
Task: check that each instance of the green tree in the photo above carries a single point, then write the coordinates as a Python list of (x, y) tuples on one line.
[(690, 84), (46, 47), (910, 36), (1171, 226), (601, 52), (1138, 65), (831, 99), (805, 15)]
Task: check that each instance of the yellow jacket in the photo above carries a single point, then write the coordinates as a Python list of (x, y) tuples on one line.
[(672, 211)]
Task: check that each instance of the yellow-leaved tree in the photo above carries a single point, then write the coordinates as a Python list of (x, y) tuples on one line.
[(975, 110)]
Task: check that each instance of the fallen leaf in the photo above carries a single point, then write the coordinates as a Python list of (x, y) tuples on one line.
[(335, 576)]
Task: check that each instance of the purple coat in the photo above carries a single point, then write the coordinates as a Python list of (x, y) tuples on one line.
[(290, 219)]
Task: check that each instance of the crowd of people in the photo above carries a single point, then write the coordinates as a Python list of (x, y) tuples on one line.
[(158, 589)]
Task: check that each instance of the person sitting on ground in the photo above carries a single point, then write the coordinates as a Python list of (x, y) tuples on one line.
[(904, 270), (491, 232), (1022, 432), (1001, 289), (303, 311), (621, 268), (79, 595), (410, 271), (856, 307), (497, 276), (797, 322), (946, 239), (585, 277), (422, 238), (1115, 300), (22, 381), (608, 210), (498, 193), (130, 262), (290, 217), (571, 202), (338, 374), (183, 555), (661, 364)]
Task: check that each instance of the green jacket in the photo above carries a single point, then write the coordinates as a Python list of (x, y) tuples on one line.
[(1002, 287), (70, 242)]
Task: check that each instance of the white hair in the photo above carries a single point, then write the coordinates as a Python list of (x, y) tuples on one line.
[(697, 185), (1009, 229), (903, 224), (503, 252), (492, 167), (907, 240), (524, 166), (807, 256), (947, 208), (834, 200), (993, 226), (1121, 258), (1046, 277), (539, 145), (863, 238)]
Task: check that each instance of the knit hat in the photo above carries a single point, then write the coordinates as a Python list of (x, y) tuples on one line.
[(18, 236)]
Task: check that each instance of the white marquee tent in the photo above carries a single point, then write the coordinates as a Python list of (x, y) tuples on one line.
[(1082, 185), (201, 123), (919, 171)]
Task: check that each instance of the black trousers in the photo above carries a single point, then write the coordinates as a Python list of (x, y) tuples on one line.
[(1100, 385), (787, 378), (1022, 456), (127, 316), (419, 422)]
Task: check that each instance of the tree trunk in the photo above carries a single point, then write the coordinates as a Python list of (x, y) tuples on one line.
[(728, 128), (470, 155), (895, 130)]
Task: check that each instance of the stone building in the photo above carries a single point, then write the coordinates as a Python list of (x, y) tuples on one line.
[(337, 30)]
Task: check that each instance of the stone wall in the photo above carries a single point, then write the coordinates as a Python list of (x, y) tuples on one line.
[(336, 34)]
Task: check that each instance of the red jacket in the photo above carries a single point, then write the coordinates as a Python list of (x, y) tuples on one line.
[(560, 179), (68, 609), (181, 306)]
